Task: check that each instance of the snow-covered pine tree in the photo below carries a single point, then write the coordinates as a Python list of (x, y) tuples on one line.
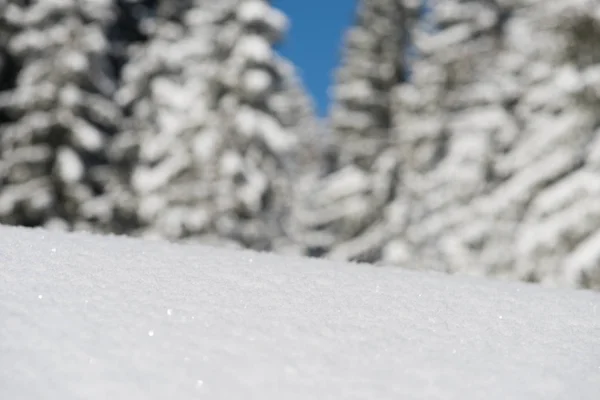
[(341, 213), (213, 125), (260, 143), (60, 115), (499, 138), (166, 149), (557, 159), (450, 119), (296, 111)]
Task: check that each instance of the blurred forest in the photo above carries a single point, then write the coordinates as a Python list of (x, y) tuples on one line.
[(464, 135)]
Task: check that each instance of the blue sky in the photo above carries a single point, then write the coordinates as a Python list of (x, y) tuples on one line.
[(314, 41)]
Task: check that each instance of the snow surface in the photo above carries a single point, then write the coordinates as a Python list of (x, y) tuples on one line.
[(93, 317)]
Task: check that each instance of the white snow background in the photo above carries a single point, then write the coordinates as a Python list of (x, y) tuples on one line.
[(91, 317)]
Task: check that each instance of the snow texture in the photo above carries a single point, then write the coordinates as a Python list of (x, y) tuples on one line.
[(96, 317), (464, 135)]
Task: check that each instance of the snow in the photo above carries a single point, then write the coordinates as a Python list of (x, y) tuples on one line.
[(257, 11), (70, 167), (94, 317), (256, 82), (253, 48), (251, 11)]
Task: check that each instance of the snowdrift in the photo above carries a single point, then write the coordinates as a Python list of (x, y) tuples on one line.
[(93, 317)]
